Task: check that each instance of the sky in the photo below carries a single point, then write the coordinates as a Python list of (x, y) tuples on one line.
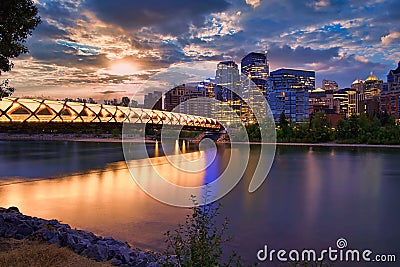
[(107, 49)]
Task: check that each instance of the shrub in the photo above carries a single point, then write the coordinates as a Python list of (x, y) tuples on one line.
[(198, 242)]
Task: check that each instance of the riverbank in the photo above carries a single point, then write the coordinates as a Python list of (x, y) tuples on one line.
[(16, 225), (109, 138), (337, 145)]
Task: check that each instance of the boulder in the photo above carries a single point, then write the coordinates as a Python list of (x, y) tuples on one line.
[(96, 252)]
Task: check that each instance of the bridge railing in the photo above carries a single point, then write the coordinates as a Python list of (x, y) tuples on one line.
[(37, 110)]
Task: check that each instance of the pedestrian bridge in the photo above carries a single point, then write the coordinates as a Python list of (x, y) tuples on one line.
[(38, 110)]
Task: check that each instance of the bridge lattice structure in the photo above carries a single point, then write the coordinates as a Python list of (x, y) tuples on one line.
[(42, 110)]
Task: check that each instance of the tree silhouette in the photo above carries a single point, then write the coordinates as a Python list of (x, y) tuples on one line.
[(18, 18)]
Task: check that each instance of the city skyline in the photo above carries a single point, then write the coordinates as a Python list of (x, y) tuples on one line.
[(106, 50)]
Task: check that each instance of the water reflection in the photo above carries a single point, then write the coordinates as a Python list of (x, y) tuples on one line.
[(41, 159), (311, 198), (107, 202)]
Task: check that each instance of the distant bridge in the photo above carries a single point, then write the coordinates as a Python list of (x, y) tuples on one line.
[(37, 110)]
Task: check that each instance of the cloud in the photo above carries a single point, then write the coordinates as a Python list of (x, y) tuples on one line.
[(111, 92), (253, 3), (173, 16), (301, 55), (78, 40), (388, 39), (342, 69)]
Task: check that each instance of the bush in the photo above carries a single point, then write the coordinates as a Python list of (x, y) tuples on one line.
[(199, 241)]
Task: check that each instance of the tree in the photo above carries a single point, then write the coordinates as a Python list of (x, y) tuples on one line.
[(283, 122), (320, 127), (5, 89), (125, 101), (18, 18)]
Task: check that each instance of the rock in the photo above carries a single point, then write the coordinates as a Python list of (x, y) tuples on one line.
[(24, 230), (124, 254), (10, 232), (13, 209), (115, 262), (13, 224), (80, 247), (142, 255), (96, 252), (54, 240), (141, 263), (48, 235), (153, 264)]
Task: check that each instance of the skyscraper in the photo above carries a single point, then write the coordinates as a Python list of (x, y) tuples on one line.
[(372, 86), (174, 97), (288, 92), (393, 79), (228, 90), (197, 93), (227, 74), (343, 96), (256, 67), (390, 99), (198, 96), (153, 100), (330, 85), (358, 85)]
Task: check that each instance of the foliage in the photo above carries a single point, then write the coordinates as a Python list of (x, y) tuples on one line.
[(362, 129), (199, 241), (6, 89), (18, 18), (321, 128), (283, 122)]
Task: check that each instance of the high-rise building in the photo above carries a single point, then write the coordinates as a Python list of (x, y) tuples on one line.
[(228, 89), (390, 99), (329, 85), (321, 100), (153, 100), (174, 97), (198, 95), (287, 91), (342, 95), (256, 67), (372, 87), (393, 79), (356, 103), (358, 85), (227, 75)]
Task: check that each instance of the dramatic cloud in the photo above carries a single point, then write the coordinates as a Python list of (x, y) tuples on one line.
[(103, 48), (301, 55), (173, 16)]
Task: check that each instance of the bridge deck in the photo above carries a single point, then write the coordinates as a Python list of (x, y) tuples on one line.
[(36, 110)]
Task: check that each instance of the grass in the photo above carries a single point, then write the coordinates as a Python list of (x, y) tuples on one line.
[(21, 253)]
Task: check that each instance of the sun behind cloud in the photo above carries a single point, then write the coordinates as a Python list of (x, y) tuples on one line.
[(121, 68)]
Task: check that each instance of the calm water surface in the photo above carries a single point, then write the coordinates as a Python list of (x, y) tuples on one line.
[(312, 197)]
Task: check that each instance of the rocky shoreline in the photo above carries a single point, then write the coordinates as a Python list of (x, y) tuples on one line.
[(14, 224)]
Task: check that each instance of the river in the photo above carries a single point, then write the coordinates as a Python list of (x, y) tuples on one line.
[(312, 196)]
